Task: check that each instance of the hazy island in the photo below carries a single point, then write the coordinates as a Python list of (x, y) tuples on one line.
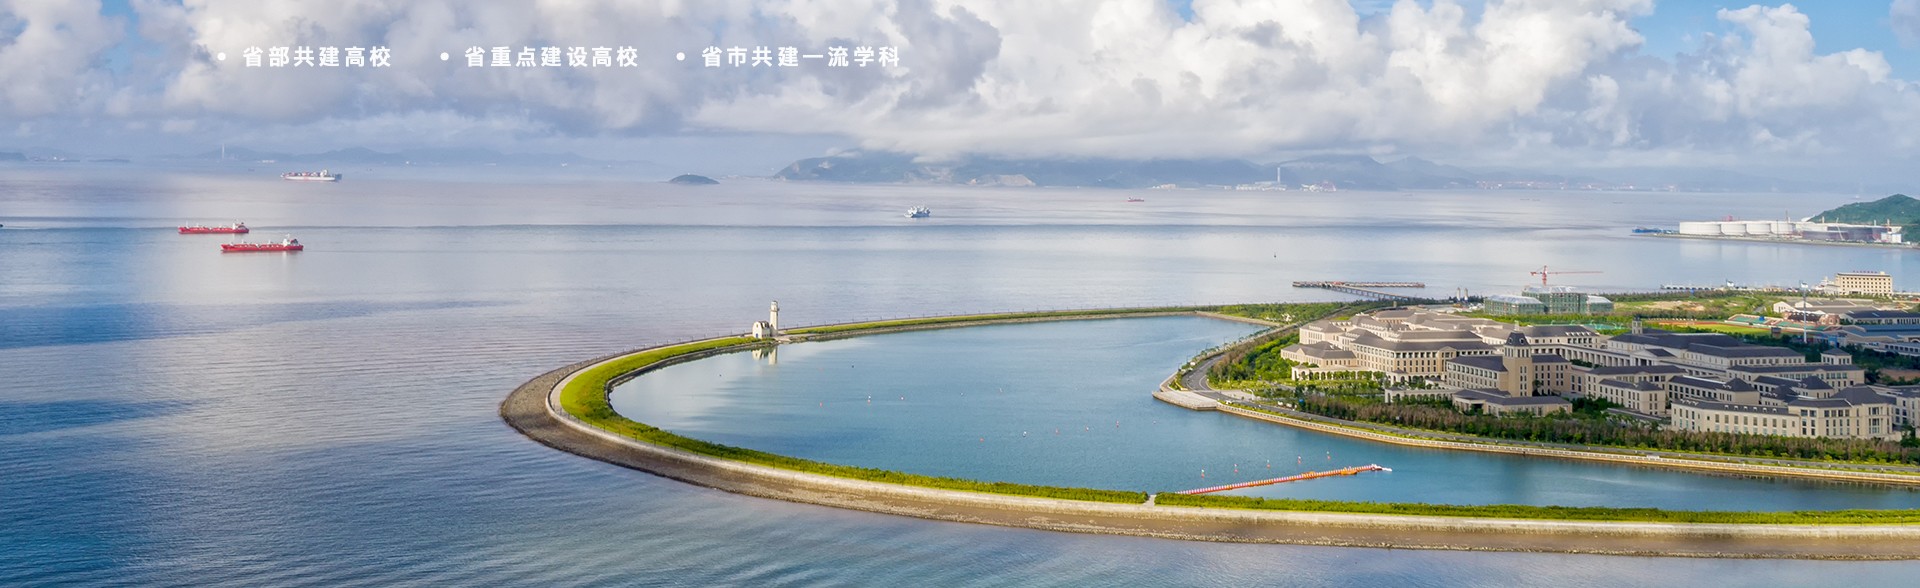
[(692, 180)]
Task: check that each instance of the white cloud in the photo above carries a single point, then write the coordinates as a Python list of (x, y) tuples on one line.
[(1904, 15), (1122, 78), (47, 63)]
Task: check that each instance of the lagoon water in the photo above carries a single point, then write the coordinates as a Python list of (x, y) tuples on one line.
[(1068, 404), (170, 415)]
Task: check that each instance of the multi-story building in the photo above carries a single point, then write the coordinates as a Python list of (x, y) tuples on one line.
[(1858, 412), (1548, 300), (1871, 283), (1702, 381), (1644, 397)]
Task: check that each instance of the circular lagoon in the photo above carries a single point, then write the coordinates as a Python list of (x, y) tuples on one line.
[(1069, 404)]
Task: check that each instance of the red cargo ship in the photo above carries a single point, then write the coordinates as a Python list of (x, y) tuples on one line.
[(236, 227), (289, 244)]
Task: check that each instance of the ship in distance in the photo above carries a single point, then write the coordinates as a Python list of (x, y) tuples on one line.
[(319, 176), (237, 227), (919, 212), (287, 244)]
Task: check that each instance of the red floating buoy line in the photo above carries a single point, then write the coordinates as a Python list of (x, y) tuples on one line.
[(1294, 478)]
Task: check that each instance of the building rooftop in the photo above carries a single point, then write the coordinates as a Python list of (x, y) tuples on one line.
[(1881, 314), (1371, 340), (1512, 299), (1649, 386), (1733, 385), (1556, 330), (1673, 340), (1743, 350), (1551, 289), (1485, 362), (1788, 369), (1650, 370)]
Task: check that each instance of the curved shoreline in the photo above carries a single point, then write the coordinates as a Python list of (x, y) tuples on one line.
[(533, 410)]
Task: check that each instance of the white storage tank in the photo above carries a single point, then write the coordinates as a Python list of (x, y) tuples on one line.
[(1734, 228), (1699, 228), (1783, 228), (1760, 228)]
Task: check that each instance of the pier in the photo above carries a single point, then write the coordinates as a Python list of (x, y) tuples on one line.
[(1365, 288), (1294, 478)]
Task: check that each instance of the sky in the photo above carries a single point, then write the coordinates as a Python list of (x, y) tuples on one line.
[(1816, 89)]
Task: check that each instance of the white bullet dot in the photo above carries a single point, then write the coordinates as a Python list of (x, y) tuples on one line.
[(222, 56), (443, 56), (680, 56)]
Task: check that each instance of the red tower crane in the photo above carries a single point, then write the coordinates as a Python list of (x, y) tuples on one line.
[(1543, 273)]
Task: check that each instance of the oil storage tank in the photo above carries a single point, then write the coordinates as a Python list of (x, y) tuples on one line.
[(1760, 228), (1700, 228), (1733, 228)]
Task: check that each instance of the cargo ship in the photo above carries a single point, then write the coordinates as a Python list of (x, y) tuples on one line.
[(320, 176), (236, 227), (288, 244)]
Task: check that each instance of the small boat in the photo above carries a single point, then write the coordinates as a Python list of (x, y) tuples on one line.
[(1136, 200), (919, 212), (288, 244), (236, 227)]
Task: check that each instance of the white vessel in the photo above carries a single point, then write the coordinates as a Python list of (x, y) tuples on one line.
[(919, 212), (320, 176)]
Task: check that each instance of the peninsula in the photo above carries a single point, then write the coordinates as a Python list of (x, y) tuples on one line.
[(567, 409)]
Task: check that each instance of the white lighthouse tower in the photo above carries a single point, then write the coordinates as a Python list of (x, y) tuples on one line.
[(769, 328)]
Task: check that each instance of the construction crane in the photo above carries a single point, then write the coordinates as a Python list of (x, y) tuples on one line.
[(1543, 273)]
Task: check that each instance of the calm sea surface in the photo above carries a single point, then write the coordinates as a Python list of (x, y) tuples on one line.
[(173, 416)]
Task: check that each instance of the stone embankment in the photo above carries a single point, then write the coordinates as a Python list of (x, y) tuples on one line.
[(533, 409)]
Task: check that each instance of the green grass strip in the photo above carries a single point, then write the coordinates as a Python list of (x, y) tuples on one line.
[(586, 397), (1553, 513), (980, 317)]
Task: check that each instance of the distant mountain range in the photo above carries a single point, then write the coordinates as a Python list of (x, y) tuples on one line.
[(1346, 172), (448, 157)]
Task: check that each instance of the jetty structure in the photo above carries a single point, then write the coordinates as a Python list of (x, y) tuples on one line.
[(1365, 288), (567, 408)]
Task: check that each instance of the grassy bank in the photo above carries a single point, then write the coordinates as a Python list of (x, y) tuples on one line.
[(1552, 513), (981, 317), (586, 397)]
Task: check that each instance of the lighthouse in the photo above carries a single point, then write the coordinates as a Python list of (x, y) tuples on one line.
[(769, 328)]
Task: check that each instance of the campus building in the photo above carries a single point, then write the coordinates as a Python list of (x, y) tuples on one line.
[(1547, 300), (1870, 283), (1701, 381), (1858, 412)]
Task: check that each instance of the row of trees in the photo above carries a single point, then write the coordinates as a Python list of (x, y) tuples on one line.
[(1597, 432)]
